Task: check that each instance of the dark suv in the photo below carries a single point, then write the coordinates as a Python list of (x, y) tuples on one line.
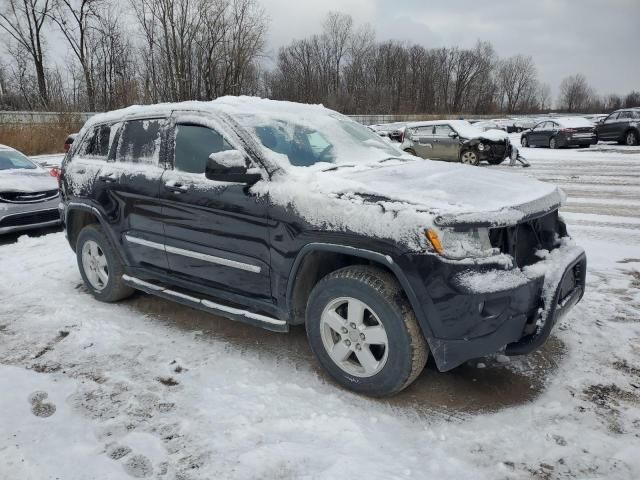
[(279, 214), (622, 126)]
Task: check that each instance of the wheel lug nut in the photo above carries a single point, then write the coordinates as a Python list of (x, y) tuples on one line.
[(347, 343), (352, 325), (344, 330), (358, 347)]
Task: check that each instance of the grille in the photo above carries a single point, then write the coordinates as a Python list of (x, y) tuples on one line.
[(521, 241), (31, 197), (30, 218)]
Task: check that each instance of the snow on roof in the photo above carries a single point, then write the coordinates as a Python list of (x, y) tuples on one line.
[(573, 122), (464, 128), (6, 147), (228, 104)]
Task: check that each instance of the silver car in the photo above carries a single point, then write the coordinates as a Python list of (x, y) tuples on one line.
[(28, 193)]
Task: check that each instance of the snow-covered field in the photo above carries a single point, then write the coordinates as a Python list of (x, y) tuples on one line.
[(148, 388)]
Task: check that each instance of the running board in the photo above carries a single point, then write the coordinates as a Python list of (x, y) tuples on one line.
[(245, 316)]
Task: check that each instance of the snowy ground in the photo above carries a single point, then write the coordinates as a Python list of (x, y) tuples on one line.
[(148, 388)]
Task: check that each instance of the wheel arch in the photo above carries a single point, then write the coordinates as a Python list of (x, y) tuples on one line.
[(316, 260)]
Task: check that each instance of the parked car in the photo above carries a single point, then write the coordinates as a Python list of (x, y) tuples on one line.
[(28, 193), (456, 141), (560, 132), (69, 141), (485, 125), (622, 126), (279, 214), (525, 123), (393, 131)]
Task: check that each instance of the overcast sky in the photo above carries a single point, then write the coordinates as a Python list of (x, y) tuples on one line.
[(599, 38)]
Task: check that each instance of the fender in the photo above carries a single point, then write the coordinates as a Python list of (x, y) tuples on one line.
[(377, 257), (73, 206)]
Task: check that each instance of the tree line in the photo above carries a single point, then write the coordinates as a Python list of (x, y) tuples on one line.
[(148, 51)]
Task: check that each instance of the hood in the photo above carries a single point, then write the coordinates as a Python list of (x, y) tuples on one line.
[(27, 180), (454, 194)]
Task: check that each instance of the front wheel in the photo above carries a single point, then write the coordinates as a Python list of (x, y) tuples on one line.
[(363, 331), (553, 143), (100, 266), (469, 157)]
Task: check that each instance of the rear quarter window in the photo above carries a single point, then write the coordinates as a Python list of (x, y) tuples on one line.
[(97, 143)]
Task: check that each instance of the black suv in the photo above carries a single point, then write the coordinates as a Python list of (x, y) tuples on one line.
[(279, 214), (622, 126)]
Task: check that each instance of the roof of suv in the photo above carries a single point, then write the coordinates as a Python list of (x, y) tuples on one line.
[(228, 104)]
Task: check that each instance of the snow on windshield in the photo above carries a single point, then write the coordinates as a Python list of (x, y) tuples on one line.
[(14, 160), (306, 135)]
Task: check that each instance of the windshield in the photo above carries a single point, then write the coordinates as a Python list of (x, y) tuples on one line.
[(304, 141), (12, 159)]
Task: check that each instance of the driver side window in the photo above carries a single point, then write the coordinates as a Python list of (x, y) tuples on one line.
[(612, 118), (442, 130), (193, 145)]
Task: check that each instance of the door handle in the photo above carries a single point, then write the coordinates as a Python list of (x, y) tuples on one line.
[(176, 187), (107, 178)]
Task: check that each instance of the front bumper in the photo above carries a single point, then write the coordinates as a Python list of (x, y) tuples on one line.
[(514, 310), (16, 217)]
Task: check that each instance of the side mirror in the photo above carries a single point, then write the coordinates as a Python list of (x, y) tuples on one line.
[(453, 135), (229, 166)]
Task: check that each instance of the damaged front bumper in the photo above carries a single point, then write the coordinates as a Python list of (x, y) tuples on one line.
[(470, 312)]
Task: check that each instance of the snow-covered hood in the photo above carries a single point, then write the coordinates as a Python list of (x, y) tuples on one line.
[(27, 180), (453, 193), (399, 199), (494, 135)]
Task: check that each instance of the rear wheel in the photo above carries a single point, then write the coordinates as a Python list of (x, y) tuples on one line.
[(631, 138), (524, 142), (363, 332), (469, 157), (100, 266), (553, 143)]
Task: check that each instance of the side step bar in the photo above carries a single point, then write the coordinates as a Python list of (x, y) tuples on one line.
[(245, 316)]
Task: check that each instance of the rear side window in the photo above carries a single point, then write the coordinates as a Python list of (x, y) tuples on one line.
[(194, 144), (626, 115), (140, 141), (97, 143)]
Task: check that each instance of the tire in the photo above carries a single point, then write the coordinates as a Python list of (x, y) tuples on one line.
[(524, 142), (411, 151), (386, 368), (100, 265), (553, 143), (495, 161), (469, 157), (631, 138)]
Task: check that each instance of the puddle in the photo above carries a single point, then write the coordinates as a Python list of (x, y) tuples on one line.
[(462, 391)]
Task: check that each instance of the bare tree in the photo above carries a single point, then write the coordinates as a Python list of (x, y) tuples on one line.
[(24, 20), (517, 80), (632, 99), (76, 19), (575, 93)]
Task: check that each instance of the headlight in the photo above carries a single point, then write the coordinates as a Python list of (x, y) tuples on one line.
[(481, 146), (458, 244)]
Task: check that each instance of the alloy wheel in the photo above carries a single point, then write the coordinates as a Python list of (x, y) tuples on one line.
[(354, 337), (94, 264), (469, 158), (631, 138)]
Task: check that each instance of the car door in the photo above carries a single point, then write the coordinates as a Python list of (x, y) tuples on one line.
[(423, 141), (535, 135), (445, 147), (127, 189), (216, 233), (607, 129)]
